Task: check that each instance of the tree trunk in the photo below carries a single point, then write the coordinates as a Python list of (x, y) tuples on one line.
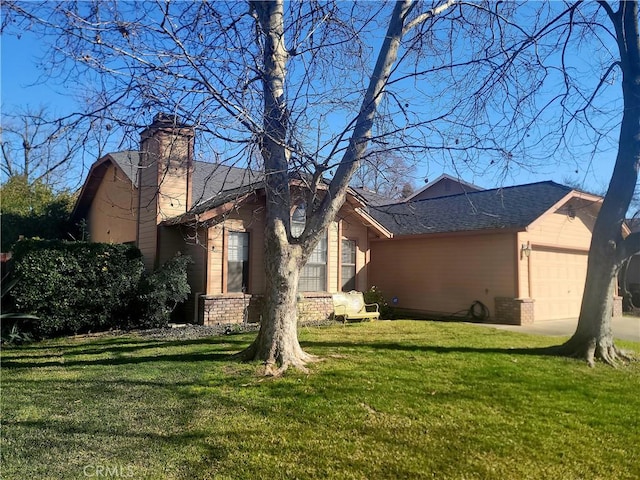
[(593, 338), (277, 341)]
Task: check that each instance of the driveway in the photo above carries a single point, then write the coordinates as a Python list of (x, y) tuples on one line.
[(624, 328)]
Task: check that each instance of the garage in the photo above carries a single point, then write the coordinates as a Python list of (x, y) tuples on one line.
[(557, 281)]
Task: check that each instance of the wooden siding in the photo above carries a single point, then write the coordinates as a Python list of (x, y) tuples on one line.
[(173, 176), (555, 271), (561, 229), (351, 230), (148, 212), (112, 215), (445, 274), (250, 218)]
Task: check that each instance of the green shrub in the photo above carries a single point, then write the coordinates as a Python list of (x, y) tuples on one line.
[(160, 292), (374, 295), (75, 287)]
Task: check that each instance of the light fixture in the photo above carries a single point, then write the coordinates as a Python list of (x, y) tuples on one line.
[(526, 249)]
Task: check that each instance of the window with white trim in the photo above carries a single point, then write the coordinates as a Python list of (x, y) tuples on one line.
[(313, 277), (348, 265), (238, 262)]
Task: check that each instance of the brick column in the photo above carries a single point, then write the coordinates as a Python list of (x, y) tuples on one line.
[(514, 311)]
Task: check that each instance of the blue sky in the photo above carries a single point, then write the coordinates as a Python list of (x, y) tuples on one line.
[(22, 86)]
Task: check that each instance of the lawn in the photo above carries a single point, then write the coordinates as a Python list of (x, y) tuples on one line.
[(399, 399)]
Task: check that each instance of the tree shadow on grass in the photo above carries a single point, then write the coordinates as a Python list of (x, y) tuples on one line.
[(221, 349), (404, 347)]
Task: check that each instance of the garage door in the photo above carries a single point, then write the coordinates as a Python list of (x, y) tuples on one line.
[(557, 281)]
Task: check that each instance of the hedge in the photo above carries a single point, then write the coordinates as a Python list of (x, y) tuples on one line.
[(77, 287)]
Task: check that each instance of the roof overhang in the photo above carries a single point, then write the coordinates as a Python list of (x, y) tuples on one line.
[(352, 202), (573, 194), (461, 233)]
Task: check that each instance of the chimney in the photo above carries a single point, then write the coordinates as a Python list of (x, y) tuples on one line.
[(164, 179)]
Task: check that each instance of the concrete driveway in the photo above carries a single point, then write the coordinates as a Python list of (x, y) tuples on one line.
[(624, 328)]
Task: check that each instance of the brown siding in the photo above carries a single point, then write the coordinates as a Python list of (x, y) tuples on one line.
[(148, 212), (112, 215), (250, 218), (559, 229), (352, 230), (445, 274)]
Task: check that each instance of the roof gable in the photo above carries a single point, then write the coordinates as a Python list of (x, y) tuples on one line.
[(125, 162), (502, 208), (438, 188)]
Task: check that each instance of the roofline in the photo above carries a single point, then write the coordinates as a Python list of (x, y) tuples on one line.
[(210, 213), (571, 194), (227, 206), (372, 222), (107, 158), (458, 233), (444, 176)]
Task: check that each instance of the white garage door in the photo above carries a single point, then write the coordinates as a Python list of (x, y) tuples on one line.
[(557, 281)]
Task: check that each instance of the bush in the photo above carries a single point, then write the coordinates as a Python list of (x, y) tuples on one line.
[(160, 292), (374, 295), (75, 287)]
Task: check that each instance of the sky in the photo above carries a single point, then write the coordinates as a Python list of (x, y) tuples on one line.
[(22, 86)]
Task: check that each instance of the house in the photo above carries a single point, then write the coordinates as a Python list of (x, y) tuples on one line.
[(166, 202), (443, 186), (521, 251)]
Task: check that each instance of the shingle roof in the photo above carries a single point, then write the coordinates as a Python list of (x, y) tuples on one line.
[(501, 208), (372, 198), (128, 162), (466, 186), (210, 179)]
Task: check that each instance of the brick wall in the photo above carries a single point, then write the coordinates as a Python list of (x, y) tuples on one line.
[(239, 308), (513, 311)]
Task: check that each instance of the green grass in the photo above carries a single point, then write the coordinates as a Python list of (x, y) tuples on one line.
[(391, 400)]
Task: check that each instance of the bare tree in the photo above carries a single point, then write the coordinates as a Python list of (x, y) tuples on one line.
[(35, 147), (593, 337), (265, 75), (467, 81), (387, 174)]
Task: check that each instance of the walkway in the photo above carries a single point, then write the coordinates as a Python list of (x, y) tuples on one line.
[(624, 328)]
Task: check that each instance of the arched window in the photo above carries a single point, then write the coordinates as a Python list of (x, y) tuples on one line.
[(313, 277)]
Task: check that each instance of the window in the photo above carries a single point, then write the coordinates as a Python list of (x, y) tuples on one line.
[(238, 262), (313, 277), (348, 265)]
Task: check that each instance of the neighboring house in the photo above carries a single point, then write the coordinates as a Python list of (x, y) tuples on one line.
[(443, 186), (215, 214), (521, 251)]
